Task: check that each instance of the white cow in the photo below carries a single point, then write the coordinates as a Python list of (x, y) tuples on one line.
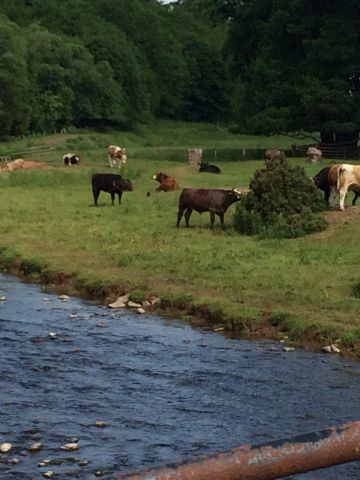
[(342, 178), (117, 156)]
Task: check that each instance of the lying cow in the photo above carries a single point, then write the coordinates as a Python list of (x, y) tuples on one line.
[(215, 201), (274, 154), (207, 167), (117, 156), (342, 178), (71, 159), (108, 182), (321, 180), (167, 183)]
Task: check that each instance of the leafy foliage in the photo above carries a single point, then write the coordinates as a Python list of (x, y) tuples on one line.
[(282, 203)]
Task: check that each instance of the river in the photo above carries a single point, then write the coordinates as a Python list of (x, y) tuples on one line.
[(166, 392)]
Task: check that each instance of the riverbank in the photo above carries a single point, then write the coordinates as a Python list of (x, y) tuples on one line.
[(306, 289)]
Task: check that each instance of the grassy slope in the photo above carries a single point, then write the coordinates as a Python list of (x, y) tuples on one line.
[(47, 216)]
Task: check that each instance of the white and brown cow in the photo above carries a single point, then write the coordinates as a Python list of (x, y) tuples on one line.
[(342, 178), (117, 156)]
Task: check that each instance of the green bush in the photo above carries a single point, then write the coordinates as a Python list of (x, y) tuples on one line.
[(282, 203)]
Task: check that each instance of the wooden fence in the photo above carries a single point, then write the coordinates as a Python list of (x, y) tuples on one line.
[(340, 151), (28, 152)]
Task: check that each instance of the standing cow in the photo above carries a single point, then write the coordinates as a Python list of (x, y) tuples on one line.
[(71, 159), (342, 178), (215, 201), (207, 167), (108, 182), (274, 154), (117, 156)]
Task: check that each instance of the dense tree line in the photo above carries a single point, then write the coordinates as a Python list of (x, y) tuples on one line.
[(266, 65)]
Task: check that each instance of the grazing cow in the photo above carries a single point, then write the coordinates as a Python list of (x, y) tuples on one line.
[(108, 182), (274, 154), (71, 159), (215, 201), (321, 180), (167, 183), (207, 167), (117, 156), (344, 177)]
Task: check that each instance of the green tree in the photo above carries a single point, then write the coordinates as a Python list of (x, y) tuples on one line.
[(292, 61), (14, 86)]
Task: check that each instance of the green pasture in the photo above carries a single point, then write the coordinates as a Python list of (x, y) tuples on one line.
[(309, 286)]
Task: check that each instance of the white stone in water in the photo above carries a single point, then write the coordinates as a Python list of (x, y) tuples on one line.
[(134, 304), (101, 424), (3, 298), (35, 447), (14, 460), (334, 348), (83, 463), (102, 324), (48, 474), (140, 310), (327, 349), (73, 439), (70, 447), (64, 298), (6, 447), (289, 349), (52, 335), (117, 304)]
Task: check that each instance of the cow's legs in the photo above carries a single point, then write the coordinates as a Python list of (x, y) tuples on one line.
[(221, 215), (119, 195), (179, 215), (327, 195), (332, 196), (112, 197), (111, 161), (212, 219), (96, 194), (356, 196), (187, 216), (343, 192)]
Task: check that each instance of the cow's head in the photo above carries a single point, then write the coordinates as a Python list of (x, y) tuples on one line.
[(236, 193), (126, 185), (160, 176)]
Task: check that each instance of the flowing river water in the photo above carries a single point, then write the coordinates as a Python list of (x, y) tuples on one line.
[(166, 391)]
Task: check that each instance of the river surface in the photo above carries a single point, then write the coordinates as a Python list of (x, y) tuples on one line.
[(166, 391)]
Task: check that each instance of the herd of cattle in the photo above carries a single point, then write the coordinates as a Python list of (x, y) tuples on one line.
[(332, 180)]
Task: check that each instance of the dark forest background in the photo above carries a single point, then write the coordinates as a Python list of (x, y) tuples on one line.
[(262, 66)]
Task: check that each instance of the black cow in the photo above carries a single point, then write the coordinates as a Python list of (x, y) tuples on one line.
[(215, 201), (71, 159), (111, 183), (321, 180), (207, 167)]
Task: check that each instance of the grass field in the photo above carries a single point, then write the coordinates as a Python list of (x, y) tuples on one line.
[(309, 287)]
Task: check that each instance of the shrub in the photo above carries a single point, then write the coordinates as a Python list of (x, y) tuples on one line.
[(282, 203)]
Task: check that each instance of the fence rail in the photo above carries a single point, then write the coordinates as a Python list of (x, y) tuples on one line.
[(38, 151)]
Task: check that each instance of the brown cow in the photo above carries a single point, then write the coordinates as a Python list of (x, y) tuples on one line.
[(274, 154), (342, 178), (167, 183), (117, 156), (213, 200)]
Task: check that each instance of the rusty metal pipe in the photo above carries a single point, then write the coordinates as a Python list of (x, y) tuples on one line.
[(278, 459)]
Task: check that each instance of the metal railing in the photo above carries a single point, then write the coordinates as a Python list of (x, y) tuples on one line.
[(275, 460)]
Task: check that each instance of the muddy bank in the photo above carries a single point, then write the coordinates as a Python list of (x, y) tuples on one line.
[(268, 326)]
